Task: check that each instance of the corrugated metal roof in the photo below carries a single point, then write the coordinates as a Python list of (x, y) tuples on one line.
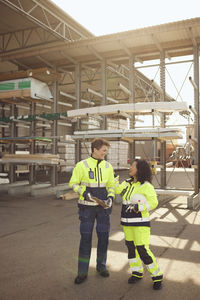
[(176, 38)]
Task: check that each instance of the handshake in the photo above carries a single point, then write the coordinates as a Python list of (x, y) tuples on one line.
[(105, 204)]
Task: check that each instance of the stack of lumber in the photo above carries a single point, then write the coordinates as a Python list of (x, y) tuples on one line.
[(66, 151), (132, 134), (44, 159), (137, 108), (26, 89), (24, 139)]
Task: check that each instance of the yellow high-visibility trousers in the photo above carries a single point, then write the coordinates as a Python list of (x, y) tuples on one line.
[(137, 239)]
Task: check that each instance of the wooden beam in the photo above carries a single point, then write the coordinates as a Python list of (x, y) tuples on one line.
[(35, 73), (142, 107)]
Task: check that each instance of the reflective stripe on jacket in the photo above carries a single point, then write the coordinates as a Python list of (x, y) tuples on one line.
[(96, 177), (143, 195)]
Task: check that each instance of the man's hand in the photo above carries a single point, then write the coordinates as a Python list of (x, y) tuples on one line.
[(108, 202), (88, 196)]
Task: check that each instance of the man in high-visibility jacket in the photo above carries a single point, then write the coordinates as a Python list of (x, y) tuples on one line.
[(138, 199), (94, 177)]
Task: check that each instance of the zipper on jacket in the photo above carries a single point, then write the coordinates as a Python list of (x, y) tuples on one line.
[(101, 175), (98, 173), (98, 176)]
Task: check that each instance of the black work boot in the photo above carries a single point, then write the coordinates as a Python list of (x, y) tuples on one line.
[(157, 285), (133, 279), (103, 273), (80, 278)]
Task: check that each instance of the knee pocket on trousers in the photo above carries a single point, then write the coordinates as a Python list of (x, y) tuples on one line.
[(103, 228), (145, 257), (86, 227), (131, 248)]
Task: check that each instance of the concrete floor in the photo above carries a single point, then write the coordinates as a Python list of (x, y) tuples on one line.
[(39, 239)]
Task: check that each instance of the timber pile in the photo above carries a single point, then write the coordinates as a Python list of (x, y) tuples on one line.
[(137, 108), (23, 90), (24, 139), (44, 159), (132, 134), (70, 195)]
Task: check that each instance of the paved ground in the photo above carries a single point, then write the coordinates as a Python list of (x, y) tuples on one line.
[(39, 240)]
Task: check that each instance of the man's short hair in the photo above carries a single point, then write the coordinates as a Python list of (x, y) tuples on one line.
[(98, 143)]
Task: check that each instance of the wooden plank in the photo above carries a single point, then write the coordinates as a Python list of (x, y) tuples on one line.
[(15, 94), (140, 107), (47, 159), (132, 134), (11, 101), (32, 156), (25, 140), (71, 195), (173, 192), (44, 74)]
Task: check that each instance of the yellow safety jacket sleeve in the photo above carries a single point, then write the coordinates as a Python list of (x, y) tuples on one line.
[(111, 183), (76, 179), (119, 188), (149, 192)]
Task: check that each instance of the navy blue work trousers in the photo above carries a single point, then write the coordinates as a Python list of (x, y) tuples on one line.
[(87, 216)]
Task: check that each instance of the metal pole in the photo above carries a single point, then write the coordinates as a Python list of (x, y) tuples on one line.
[(32, 175), (103, 90), (78, 101), (163, 120), (153, 124), (196, 121), (54, 177), (12, 168), (132, 100)]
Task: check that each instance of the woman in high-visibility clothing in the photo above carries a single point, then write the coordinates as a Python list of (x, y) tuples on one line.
[(139, 197)]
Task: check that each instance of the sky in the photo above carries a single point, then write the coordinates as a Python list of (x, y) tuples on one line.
[(110, 16)]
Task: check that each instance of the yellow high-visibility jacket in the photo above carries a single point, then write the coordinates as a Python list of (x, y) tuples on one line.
[(143, 196), (93, 176)]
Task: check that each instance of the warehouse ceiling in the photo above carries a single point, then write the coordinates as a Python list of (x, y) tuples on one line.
[(38, 34), (26, 26)]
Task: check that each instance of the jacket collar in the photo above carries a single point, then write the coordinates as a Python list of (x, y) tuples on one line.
[(97, 160)]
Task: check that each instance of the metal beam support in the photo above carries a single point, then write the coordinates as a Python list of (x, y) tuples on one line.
[(72, 60), (94, 51), (2, 166), (45, 61), (153, 124), (47, 20), (104, 90), (12, 175), (163, 143), (16, 40), (132, 100), (131, 80), (196, 120), (54, 177), (32, 174), (125, 48), (78, 101)]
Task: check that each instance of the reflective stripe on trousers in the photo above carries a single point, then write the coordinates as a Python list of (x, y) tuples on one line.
[(138, 252)]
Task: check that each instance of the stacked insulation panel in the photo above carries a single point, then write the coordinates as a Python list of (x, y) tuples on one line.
[(66, 150)]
